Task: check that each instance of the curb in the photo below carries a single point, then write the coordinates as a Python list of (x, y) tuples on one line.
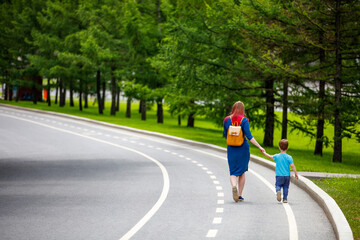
[(333, 212)]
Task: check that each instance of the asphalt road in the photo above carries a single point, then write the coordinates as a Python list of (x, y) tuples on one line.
[(69, 179)]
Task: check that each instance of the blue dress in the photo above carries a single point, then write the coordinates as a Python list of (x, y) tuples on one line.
[(238, 157)]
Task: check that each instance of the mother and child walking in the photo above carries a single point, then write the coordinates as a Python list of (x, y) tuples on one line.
[(236, 126)]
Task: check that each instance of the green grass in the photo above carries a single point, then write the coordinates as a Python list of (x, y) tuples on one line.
[(300, 147), (346, 193)]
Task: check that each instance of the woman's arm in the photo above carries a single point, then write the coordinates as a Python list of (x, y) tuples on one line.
[(253, 141)]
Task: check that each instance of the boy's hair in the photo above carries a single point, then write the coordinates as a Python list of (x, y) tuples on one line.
[(283, 144)]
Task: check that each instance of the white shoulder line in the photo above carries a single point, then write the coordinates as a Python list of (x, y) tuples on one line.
[(165, 174)]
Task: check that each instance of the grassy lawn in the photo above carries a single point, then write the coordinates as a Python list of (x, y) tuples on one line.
[(344, 191)]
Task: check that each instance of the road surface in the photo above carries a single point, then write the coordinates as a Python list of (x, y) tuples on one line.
[(69, 179)]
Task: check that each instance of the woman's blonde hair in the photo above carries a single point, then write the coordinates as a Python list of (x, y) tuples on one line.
[(238, 109)]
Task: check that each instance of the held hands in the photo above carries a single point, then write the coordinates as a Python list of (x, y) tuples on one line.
[(262, 150)]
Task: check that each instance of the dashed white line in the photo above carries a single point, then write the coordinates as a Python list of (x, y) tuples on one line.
[(219, 210), (217, 220), (211, 233)]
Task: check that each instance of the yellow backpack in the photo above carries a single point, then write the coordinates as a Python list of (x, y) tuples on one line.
[(235, 136)]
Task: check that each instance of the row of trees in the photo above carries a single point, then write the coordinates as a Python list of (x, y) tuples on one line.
[(200, 56)]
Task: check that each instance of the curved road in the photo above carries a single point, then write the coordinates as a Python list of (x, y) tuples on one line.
[(69, 179)]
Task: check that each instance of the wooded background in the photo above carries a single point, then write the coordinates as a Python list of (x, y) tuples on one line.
[(199, 57)]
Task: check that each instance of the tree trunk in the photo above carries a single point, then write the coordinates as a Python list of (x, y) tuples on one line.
[(34, 91), (48, 93), (6, 91), (11, 92), (86, 95), (191, 120), (63, 96), (128, 107), (179, 120), (57, 91), (60, 92), (103, 94), (98, 92), (71, 92), (270, 113), (143, 110), (117, 98), (285, 110), (337, 157), (80, 94), (113, 93), (160, 111), (321, 107)]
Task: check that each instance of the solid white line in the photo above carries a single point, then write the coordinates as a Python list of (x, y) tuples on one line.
[(164, 172), (293, 232)]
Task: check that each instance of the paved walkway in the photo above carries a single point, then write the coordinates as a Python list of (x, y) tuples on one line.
[(317, 175)]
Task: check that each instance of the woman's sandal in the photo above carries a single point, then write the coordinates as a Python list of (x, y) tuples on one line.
[(235, 194)]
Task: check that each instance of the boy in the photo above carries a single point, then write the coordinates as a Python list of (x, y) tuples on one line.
[(282, 170)]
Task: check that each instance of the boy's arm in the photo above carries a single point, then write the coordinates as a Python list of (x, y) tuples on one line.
[(294, 169), (268, 155)]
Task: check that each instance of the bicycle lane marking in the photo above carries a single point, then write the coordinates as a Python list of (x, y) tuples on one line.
[(166, 185)]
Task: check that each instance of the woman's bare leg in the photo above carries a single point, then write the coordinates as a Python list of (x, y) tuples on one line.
[(241, 184), (233, 180)]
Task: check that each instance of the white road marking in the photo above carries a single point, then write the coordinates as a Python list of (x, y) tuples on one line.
[(219, 188), (217, 220), (293, 232), (212, 233), (216, 182), (220, 194), (219, 210), (164, 172), (220, 201)]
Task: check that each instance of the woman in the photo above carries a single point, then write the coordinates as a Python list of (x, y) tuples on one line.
[(238, 157)]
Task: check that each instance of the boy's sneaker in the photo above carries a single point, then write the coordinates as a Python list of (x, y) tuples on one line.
[(278, 196), (284, 200), (241, 198)]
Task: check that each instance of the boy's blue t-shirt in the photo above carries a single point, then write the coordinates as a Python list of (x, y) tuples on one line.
[(282, 164)]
